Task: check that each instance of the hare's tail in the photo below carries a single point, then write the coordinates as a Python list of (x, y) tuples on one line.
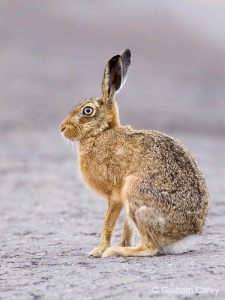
[(184, 245)]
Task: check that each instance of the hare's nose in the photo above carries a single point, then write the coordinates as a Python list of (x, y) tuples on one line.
[(63, 127)]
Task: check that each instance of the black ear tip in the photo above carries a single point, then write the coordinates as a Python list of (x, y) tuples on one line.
[(126, 53)]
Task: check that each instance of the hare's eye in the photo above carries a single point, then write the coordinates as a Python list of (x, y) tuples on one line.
[(88, 110)]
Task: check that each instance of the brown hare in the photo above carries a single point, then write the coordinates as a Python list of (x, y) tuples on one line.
[(149, 173)]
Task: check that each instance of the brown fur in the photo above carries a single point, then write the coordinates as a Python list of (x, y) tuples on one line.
[(151, 174)]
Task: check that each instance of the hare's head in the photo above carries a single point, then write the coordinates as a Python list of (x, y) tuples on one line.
[(95, 115)]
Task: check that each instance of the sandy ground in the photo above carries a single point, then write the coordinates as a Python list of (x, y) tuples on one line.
[(52, 55)]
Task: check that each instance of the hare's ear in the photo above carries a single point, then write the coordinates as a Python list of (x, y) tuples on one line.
[(115, 74), (126, 55)]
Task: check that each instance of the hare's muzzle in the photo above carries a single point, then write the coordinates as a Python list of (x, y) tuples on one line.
[(68, 130)]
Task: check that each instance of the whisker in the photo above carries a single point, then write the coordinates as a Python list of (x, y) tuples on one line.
[(74, 150)]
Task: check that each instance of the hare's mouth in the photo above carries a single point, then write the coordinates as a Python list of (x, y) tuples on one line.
[(63, 127)]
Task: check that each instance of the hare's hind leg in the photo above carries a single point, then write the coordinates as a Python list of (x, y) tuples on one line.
[(144, 249)]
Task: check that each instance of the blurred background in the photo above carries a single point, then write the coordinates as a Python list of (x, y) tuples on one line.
[(53, 54)]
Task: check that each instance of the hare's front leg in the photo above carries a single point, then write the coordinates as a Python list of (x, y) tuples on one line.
[(127, 234), (114, 209)]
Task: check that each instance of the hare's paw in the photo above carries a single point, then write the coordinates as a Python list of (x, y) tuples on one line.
[(113, 251), (97, 252), (130, 251)]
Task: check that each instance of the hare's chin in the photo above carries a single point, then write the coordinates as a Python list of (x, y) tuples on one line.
[(69, 138)]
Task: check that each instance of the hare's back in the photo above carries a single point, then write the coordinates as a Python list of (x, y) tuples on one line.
[(169, 162)]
